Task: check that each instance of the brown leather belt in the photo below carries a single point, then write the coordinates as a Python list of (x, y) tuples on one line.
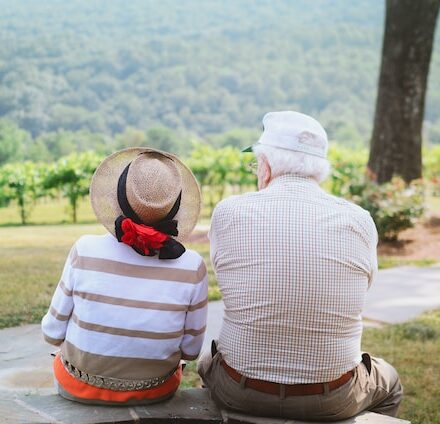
[(289, 389)]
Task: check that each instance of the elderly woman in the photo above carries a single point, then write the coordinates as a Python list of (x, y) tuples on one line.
[(294, 264), (131, 303)]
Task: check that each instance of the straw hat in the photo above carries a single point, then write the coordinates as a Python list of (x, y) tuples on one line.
[(154, 181)]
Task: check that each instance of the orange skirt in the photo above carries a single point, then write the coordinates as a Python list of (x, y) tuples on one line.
[(83, 390)]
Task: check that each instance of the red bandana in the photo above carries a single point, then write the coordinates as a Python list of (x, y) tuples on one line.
[(143, 238)]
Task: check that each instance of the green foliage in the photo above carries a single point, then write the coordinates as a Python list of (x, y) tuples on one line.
[(218, 169), (205, 67), (72, 176), (222, 172), (21, 182), (418, 331), (412, 348), (386, 262), (13, 141), (348, 170), (239, 137), (131, 137), (163, 138), (156, 137), (394, 206), (51, 146)]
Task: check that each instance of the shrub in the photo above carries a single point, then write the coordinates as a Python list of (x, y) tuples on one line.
[(348, 171), (417, 331), (394, 206)]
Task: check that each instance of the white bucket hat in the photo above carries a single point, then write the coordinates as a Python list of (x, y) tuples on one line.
[(293, 131)]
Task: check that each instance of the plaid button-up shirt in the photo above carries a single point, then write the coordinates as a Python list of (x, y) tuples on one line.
[(293, 264)]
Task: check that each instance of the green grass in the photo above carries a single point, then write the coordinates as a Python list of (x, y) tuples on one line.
[(390, 262), (57, 211), (413, 348), (190, 376), (48, 211), (31, 261)]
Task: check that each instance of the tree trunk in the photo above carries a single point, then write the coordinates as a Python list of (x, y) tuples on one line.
[(74, 209), (73, 200), (396, 144), (21, 205)]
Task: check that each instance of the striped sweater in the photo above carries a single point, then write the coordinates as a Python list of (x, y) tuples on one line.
[(118, 314)]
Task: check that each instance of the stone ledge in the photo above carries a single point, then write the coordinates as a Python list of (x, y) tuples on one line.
[(191, 406), (364, 418)]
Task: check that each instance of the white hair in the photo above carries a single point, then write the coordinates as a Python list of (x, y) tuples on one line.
[(283, 161)]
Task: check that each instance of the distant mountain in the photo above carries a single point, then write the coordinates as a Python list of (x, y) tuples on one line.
[(196, 65)]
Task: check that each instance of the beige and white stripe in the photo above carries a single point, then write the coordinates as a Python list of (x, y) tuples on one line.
[(129, 309)]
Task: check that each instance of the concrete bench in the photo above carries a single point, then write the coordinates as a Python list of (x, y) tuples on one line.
[(187, 406)]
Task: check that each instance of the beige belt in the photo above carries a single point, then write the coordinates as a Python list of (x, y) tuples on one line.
[(112, 383)]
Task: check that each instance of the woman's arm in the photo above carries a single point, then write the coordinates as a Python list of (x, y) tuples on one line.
[(195, 322), (54, 323)]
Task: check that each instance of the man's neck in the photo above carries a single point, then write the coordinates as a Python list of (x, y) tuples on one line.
[(296, 178)]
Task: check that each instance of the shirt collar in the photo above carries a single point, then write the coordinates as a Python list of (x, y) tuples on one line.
[(287, 179)]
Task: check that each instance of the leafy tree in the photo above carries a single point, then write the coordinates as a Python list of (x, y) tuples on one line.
[(219, 169), (189, 68), (347, 176), (201, 161), (239, 137), (13, 141), (72, 176), (21, 182), (131, 137), (54, 145), (157, 137), (165, 139)]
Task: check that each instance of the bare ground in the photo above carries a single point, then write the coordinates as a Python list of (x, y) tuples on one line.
[(420, 242)]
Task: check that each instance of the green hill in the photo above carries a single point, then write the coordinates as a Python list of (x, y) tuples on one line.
[(200, 66)]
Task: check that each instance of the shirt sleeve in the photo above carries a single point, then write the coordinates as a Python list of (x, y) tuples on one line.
[(212, 242), (54, 323), (220, 220), (195, 322), (373, 258)]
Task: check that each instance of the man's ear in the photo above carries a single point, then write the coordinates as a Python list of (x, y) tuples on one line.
[(265, 174)]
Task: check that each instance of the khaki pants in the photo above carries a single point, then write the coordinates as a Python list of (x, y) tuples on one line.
[(375, 387)]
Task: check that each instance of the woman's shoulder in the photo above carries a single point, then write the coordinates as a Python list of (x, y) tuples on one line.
[(191, 259)]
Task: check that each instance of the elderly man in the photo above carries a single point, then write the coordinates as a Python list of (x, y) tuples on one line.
[(294, 264)]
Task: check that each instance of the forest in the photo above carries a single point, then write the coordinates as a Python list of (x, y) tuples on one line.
[(101, 75)]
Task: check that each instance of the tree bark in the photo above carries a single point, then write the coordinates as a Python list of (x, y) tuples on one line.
[(396, 143)]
